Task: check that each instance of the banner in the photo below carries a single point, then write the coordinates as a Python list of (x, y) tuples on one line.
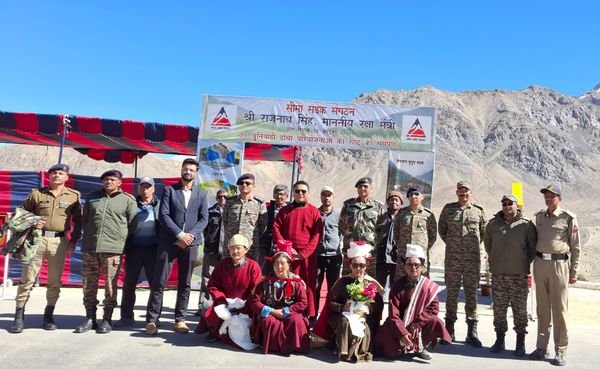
[(324, 124), (407, 169), (220, 166)]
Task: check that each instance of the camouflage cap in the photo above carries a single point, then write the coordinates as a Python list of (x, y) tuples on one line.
[(364, 181), (112, 173), (555, 188), (464, 184), (59, 166), (510, 197)]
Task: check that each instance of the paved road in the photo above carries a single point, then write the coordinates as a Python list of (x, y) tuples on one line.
[(36, 348)]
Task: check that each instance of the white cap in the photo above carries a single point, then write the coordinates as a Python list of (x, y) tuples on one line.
[(328, 189), (415, 251), (359, 248)]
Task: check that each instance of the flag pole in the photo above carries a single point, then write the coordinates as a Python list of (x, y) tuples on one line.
[(65, 125)]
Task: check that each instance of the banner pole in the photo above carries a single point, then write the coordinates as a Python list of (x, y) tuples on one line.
[(293, 173)]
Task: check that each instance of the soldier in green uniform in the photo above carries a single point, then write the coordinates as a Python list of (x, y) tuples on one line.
[(509, 241), (108, 221), (245, 214), (415, 225), (554, 269), (358, 221), (59, 206), (461, 227)]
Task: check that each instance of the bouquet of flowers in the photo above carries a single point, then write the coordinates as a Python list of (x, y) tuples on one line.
[(356, 292)]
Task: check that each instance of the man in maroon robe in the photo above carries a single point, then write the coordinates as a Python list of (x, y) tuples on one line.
[(233, 277), (300, 223), (413, 324)]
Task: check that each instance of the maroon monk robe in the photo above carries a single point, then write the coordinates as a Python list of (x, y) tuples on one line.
[(229, 281), (302, 225), (286, 335), (405, 312)]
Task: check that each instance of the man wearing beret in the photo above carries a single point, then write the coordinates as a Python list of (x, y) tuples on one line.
[(107, 218), (461, 227), (415, 225), (509, 241), (58, 206), (245, 214), (554, 269), (358, 220)]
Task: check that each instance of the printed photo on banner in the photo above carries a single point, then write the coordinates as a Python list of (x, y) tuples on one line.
[(408, 169), (220, 166)]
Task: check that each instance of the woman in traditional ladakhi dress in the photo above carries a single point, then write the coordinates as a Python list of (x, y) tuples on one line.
[(346, 317), (279, 303)]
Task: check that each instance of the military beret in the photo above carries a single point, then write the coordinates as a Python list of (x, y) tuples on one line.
[(510, 197), (280, 187), (328, 189), (464, 184), (412, 189), (112, 173), (364, 181), (148, 180), (555, 188), (244, 176), (59, 166)]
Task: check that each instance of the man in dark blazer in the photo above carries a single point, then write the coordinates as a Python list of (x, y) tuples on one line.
[(183, 216)]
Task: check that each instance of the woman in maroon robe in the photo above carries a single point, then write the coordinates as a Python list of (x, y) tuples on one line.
[(279, 303), (412, 324)]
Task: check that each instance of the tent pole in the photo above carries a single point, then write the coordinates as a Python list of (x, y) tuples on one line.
[(293, 173), (135, 166), (65, 122)]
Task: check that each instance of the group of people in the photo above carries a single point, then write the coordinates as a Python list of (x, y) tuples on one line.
[(264, 263)]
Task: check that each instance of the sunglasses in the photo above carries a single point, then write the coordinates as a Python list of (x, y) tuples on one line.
[(507, 203), (245, 183), (362, 186), (413, 194), (358, 266), (413, 265), (222, 197), (300, 191)]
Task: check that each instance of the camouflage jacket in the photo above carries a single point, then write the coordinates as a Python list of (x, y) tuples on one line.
[(462, 230), (246, 217), (415, 227), (25, 239), (358, 221)]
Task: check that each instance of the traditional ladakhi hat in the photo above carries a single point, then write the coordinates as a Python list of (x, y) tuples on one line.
[(414, 251), (239, 240), (284, 247), (359, 248)]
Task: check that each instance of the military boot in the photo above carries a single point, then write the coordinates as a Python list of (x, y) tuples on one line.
[(49, 324), (90, 321), (472, 338), (17, 325), (106, 325), (520, 348), (450, 329), (498, 346)]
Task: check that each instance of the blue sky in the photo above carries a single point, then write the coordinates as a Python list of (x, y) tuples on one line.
[(153, 60)]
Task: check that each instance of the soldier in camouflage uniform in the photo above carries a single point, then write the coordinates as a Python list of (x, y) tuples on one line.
[(509, 241), (358, 221), (415, 225), (461, 227), (108, 219), (245, 214), (58, 206)]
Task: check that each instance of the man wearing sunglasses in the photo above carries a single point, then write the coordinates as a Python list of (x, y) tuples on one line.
[(415, 224), (301, 223), (509, 241), (244, 214), (358, 220)]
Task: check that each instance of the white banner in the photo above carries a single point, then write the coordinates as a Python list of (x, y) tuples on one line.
[(407, 169)]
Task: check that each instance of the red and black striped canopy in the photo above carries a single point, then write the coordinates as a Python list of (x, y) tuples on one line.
[(102, 139)]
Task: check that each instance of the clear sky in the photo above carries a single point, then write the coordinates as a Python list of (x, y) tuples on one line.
[(153, 60)]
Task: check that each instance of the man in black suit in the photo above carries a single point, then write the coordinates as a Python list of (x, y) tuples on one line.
[(183, 216)]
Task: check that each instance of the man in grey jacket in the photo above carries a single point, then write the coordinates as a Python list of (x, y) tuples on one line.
[(509, 241), (329, 253), (107, 219)]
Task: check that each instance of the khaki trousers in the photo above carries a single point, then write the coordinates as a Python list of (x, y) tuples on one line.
[(54, 249), (552, 298)]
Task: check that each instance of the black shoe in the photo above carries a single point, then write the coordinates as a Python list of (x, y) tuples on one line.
[(123, 323), (49, 324), (104, 327), (19, 321), (538, 354), (520, 347), (89, 322), (211, 338), (450, 328), (424, 355), (559, 360), (472, 338), (498, 346)]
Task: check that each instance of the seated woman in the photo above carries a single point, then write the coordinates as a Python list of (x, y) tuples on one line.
[(412, 324), (230, 285), (279, 303), (346, 317)]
